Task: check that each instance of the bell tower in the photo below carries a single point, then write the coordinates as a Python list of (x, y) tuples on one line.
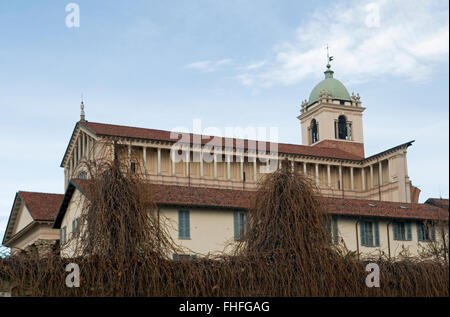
[(331, 117)]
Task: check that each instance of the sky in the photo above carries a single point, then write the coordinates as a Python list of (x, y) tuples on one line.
[(234, 63)]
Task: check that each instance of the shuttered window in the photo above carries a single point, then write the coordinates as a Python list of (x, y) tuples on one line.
[(369, 232), (62, 235), (184, 231), (240, 225), (402, 231), (333, 229), (425, 232)]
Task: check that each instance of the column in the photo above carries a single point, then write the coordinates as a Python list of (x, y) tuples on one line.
[(159, 161), (340, 178), (229, 166), (317, 174), (363, 178), (371, 176), (389, 170), (380, 174), (129, 156), (172, 158), (255, 175), (188, 159), (293, 166), (78, 149), (215, 165), (329, 175), (352, 184), (88, 144), (304, 169), (201, 162), (70, 168), (242, 167), (144, 158)]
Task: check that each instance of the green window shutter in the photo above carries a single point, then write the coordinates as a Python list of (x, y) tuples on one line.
[(61, 236), (335, 230), (377, 234), (73, 226), (433, 233), (419, 231), (183, 224), (395, 227), (362, 229), (237, 226), (408, 231)]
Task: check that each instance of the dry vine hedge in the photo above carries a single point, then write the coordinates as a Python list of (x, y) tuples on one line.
[(285, 252)]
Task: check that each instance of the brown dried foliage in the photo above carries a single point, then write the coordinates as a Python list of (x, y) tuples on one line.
[(285, 252)]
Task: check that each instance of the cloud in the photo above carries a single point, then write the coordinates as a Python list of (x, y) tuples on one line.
[(209, 66), (369, 39), (252, 66)]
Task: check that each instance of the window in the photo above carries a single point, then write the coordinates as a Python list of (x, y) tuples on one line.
[(82, 175), (240, 225), (333, 230), (402, 231), (425, 232), (133, 167), (183, 224), (75, 225), (343, 128), (314, 131), (370, 236), (62, 235)]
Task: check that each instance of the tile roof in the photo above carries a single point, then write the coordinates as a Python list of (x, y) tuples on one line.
[(236, 199), (162, 135), (42, 206)]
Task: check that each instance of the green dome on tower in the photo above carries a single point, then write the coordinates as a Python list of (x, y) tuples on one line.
[(338, 90)]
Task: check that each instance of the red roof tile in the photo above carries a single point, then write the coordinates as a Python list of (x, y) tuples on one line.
[(42, 206), (161, 135), (227, 198)]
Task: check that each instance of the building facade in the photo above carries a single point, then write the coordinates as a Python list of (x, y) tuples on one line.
[(372, 199)]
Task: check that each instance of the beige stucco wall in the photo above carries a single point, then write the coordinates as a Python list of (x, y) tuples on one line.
[(23, 218), (74, 211), (40, 231), (211, 231), (349, 233), (325, 116)]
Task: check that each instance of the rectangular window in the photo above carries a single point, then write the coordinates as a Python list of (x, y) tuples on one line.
[(133, 167), (240, 225), (333, 229), (402, 231), (184, 224), (370, 236), (425, 232), (62, 235)]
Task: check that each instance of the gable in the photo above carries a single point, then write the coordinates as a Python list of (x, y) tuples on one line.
[(24, 218)]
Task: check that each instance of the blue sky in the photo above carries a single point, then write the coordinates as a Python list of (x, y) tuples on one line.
[(161, 64)]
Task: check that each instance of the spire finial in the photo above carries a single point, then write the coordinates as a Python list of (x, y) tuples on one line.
[(329, 58), (82, 115)]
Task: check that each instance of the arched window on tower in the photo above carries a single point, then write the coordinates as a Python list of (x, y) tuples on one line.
[(314, 131), (343, 128)]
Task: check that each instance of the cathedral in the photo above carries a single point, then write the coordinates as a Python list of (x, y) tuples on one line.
[(203, 184)]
